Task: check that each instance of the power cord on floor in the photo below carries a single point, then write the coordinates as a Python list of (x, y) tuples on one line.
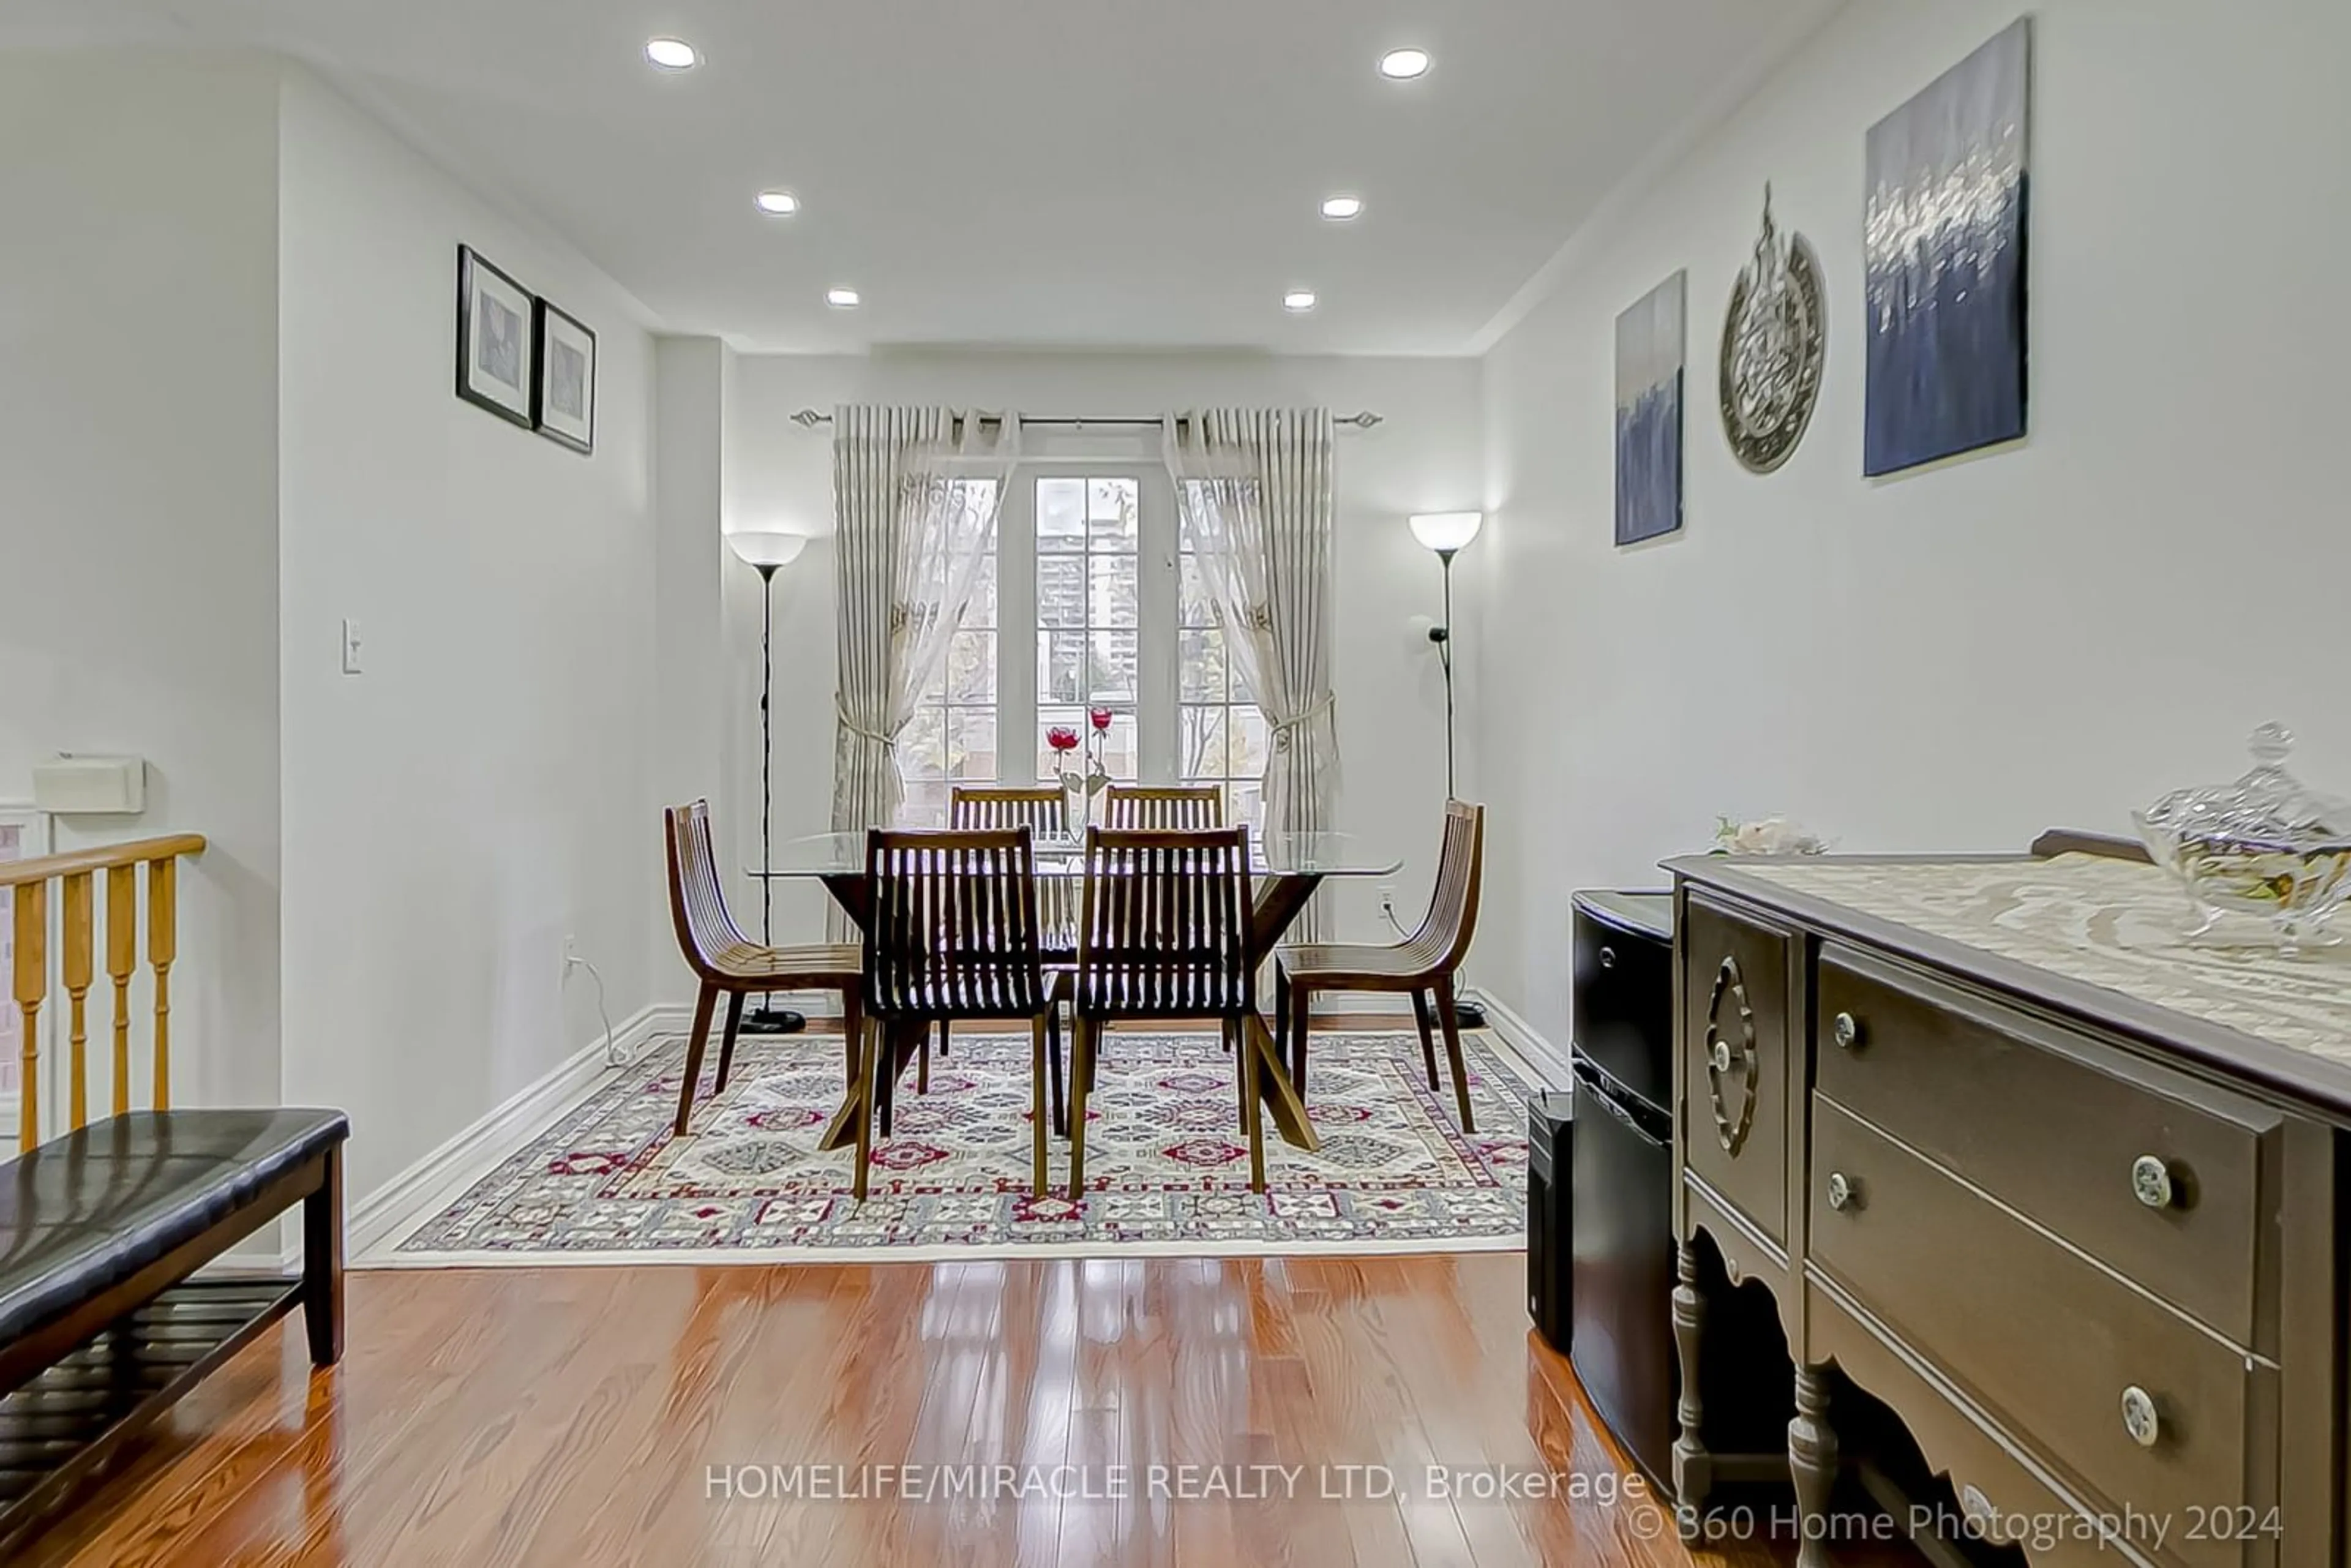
[(612, 1057)]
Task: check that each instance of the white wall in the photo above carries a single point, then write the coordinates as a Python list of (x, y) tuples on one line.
[(1427, 456), (481, 792), (1958, 657), (138, 497)]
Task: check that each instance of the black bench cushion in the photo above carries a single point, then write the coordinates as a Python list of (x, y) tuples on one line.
[(85, 1212)]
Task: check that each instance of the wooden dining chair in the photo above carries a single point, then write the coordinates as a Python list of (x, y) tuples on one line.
[(1164, 935), (1045, 814), (1189, 808), (726, 961), (1424, 964), (951, 934)]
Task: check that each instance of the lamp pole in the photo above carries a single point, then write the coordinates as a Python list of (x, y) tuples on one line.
[(766, 553), (1442, 635), (1447, 534)]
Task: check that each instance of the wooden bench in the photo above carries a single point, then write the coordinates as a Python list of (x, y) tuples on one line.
[(102, 1326)]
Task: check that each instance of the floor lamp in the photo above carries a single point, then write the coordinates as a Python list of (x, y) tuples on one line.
[(1449, 534), (765, 552)]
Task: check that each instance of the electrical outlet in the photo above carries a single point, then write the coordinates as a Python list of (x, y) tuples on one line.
[(351, 646), (1387, 897), (570, 953)]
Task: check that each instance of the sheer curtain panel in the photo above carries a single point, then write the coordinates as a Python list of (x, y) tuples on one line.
[(1253, 490), (916, 493)]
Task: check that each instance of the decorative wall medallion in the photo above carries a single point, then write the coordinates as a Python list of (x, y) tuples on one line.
[(1773, 344), (1731, 1068)]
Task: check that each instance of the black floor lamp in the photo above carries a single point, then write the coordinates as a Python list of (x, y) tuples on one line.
[(1449, 534), (765, 552)]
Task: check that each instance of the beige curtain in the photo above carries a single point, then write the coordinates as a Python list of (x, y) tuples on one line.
[(1253, 492), (915, 495)]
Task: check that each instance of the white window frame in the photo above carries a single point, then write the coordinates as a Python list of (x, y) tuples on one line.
[(1158, 707)]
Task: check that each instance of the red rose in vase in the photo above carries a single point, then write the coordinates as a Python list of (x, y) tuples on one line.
[(1101, 718), (1061, 738)]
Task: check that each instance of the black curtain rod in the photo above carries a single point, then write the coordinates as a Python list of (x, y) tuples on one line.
[(809, 418)]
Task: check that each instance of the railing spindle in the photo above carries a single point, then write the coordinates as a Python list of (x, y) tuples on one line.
[(121, 958), (79, 940), (32, 989), (162, 947), (75, 875)]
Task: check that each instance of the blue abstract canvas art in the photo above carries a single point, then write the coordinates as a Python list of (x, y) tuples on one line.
[(1649, 355), (1945, 243)]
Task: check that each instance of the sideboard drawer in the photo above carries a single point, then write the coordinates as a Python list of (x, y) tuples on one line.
[(2152, 1173), (2065, 1355), (1734, 1049), (1999, 1497)]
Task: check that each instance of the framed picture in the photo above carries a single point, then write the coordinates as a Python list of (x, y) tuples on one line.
[(1650, 353), (496, 333), (564, 382), (1946, 246), (24, 835)]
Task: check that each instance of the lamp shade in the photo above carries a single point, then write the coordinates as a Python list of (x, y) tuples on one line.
[(766, 549), (1445, 532)]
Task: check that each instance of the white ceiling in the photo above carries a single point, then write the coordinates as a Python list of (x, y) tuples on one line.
[(1065, 172)]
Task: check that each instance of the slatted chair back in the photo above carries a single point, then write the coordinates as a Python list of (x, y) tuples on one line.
[(1190, 809), (698, 902), (1045, 814), (1164, 931), (952, 931), (1452, 922)]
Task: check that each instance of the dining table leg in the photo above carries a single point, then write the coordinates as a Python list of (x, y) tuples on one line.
[(1281, 898)]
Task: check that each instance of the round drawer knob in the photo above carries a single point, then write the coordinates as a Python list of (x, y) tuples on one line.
[(1722, 1057), (1843, 1191), (2151, 1182), (1845, 1029), (2139, 1418)]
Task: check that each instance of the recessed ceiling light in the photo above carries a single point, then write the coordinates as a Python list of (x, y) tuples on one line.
[(672, 53), (1342, 208), (782, 204), (1299, 300), (842, 299), (1402, 65)]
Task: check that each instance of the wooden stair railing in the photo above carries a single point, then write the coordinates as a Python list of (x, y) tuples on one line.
[(77, 875)]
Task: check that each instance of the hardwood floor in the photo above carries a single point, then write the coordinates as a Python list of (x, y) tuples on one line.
[(633, 1415), (657, 1416)]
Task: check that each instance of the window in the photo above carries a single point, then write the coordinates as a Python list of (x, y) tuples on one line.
[(1090, 615), (1089, 600), (1222, 738)]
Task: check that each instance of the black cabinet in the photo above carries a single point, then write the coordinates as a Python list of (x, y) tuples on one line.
[(1621, 1279)]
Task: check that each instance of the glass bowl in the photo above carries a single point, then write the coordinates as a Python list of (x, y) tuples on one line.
[(2262, 845)]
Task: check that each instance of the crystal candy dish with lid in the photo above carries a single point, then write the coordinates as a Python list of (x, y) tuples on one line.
[(2262, 845)]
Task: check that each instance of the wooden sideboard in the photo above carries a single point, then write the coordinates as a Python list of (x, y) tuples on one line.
[(2018, 1163)]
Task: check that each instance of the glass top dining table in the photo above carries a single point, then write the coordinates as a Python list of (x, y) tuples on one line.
[(1289, 867)]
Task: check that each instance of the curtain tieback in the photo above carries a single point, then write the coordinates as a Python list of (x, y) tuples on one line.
[(887, 742), (1284, 729)]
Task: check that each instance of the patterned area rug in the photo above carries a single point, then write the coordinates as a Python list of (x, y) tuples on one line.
[(1166, 1167)]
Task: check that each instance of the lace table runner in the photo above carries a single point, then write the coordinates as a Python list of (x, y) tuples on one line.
[(2103, 921)]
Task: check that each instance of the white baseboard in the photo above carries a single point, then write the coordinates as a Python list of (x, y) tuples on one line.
[(472, 1154), (1551, 1065)]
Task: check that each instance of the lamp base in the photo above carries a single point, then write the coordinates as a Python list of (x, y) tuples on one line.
[(773, 1020), (1468, 1015)]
